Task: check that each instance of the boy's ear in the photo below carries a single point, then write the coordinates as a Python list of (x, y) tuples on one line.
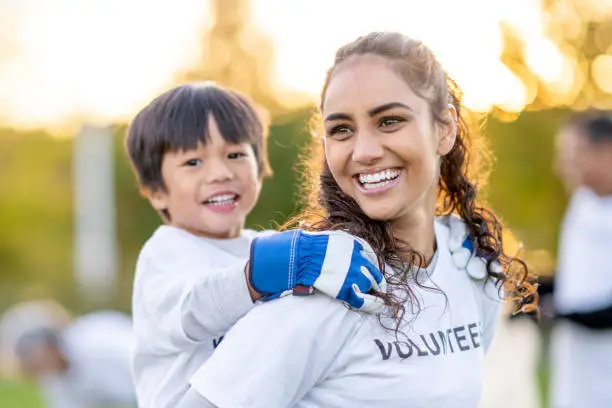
[(157, 197)]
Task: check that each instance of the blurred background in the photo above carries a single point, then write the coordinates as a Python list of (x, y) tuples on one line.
[(73, 72)]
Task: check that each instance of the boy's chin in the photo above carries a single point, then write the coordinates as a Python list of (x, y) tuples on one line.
[(217, 232)]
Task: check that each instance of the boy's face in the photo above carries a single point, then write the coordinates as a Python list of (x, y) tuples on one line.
[(211, 189)]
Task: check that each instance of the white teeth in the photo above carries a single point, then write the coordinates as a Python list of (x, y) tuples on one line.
[(221, 199), (372, 186), (378, 177)]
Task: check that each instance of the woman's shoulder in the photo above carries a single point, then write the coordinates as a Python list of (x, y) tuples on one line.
[(314, 308), (299, 316)]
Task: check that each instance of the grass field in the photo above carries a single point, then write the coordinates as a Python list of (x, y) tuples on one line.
[(19, 395)]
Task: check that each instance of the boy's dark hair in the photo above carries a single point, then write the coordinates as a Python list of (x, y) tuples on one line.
[(594, 124), (178, 120)]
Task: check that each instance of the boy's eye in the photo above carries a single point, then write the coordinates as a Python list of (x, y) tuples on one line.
[(236, 155), (193, 162)]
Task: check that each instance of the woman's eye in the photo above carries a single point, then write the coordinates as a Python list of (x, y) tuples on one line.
[(340, 131), (236, 155), (391, 122)]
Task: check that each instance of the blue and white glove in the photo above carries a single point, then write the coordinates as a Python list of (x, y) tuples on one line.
[(462, 250), (333, 262)]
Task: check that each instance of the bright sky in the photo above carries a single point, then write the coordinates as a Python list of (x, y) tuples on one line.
[(464, 35), (71, 60)]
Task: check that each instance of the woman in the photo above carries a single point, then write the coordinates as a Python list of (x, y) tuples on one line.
[(395, 167)]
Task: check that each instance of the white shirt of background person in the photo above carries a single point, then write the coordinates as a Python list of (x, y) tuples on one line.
[(97, 347)]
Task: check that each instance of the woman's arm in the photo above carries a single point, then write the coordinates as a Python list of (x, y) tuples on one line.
[(599, 319)]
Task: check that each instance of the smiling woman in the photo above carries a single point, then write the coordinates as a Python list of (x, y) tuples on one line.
[(395, 173)]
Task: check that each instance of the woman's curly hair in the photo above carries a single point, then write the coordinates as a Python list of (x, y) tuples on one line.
[(328, 208)]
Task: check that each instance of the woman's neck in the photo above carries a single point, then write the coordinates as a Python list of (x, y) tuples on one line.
[(418, 232)]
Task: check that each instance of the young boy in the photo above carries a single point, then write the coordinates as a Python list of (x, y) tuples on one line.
[(199, 154)]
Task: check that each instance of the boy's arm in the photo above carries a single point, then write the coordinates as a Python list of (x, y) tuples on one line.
[(333, 262), (178, 297), (213, 305)]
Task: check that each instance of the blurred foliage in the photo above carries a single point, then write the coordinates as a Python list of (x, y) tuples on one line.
[(569, 65), (522, 188)]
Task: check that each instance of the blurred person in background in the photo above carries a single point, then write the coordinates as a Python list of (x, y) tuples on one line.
[(80, 363), (19, 319), (581, 300)]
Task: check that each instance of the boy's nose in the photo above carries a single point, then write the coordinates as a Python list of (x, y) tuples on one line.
[(217, 172)]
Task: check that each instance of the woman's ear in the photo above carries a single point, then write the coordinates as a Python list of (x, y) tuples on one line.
[(448, 132)]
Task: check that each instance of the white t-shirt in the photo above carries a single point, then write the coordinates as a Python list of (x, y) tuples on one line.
[(314, 352), (583, 281), (188, 291), (97, 347), (581, 359)]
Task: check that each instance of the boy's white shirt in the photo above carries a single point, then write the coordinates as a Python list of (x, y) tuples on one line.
[(97, 347), (188, 291), (314, 352), (581, 358)]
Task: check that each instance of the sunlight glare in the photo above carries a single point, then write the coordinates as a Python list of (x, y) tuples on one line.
[(94, 61), (465, 36)]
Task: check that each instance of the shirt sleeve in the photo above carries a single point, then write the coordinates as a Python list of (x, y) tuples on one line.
[(179, 299), (491, 302), (275, 354)]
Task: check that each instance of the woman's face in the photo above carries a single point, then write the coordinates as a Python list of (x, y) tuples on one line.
[(381, 144)]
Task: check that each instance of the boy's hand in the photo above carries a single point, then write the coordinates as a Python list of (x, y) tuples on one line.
[(333, 262)]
